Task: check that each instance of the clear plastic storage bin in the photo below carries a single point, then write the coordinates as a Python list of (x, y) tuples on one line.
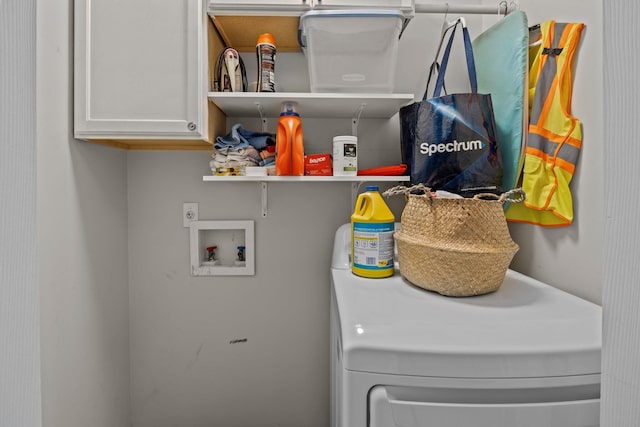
[(351, 50)]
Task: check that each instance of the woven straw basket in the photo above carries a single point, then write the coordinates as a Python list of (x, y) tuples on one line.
[(456, 247)]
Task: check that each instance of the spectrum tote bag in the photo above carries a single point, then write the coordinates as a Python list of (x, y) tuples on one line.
[(449, 142)]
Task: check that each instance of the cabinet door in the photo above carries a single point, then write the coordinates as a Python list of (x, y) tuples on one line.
[(140, 69)]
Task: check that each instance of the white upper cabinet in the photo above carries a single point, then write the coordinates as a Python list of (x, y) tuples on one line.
[(140, 71)]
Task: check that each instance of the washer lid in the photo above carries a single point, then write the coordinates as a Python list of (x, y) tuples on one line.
[(525, 329)]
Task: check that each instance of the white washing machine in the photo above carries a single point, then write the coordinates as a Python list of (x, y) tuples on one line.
[(527, 355)]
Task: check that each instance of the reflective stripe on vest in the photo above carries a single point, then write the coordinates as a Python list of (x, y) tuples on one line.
[(555, 136)]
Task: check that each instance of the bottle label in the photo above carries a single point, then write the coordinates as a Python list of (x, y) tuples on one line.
[(345, 157), (373, 245), (266, 71)]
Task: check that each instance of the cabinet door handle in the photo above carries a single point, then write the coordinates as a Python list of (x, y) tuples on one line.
[(191, 126)]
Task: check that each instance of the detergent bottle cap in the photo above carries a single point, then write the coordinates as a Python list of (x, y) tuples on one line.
[(372, 188), (289, 109)]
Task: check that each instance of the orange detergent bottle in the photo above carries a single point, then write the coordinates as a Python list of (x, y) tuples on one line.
[(372, 227), (289, 142)]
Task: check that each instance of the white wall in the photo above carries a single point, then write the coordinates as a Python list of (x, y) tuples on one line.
[(570, 258), (82, 246), (19, 322), (184, 369), (621, 347)]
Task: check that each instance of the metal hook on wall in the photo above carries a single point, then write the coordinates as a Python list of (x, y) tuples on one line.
[(263, 119), (503, 8), (356, 119)]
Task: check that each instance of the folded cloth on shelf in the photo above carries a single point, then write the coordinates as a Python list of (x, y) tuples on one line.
[(231, 163), (269, 161), (240, 137), (248, 152), (250, 155), (236, 157)]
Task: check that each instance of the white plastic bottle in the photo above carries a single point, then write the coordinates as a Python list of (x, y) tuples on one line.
[(345, 155)]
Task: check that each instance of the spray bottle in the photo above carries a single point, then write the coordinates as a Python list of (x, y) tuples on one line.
[(289, 142), (266, 53)]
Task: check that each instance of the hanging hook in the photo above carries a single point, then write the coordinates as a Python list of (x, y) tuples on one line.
[(263, 119), (446, 25), (356, 119), (503, 6)]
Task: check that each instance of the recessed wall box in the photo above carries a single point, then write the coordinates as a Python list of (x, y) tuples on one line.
[(226, 237)]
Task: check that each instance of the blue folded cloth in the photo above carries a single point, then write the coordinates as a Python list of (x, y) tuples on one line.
[(269, 161), (240, 137)]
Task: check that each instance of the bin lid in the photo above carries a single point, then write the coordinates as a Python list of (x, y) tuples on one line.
[(351, 13), (344, 13)]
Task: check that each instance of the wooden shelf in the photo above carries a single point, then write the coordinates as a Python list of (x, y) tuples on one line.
[(317, 105), (240, 24), (241, 32)]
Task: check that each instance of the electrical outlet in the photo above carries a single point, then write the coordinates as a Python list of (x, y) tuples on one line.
[(189, 213)]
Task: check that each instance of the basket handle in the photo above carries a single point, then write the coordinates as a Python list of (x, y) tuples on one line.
[(516, 195), (416, 190)]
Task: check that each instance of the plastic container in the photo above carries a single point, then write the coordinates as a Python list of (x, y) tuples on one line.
[(255, 171), (289, 143), (266, 55), (372, 227), (351, 50), (345, 155)]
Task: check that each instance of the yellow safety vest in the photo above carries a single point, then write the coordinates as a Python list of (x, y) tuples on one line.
[(555, 136)]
